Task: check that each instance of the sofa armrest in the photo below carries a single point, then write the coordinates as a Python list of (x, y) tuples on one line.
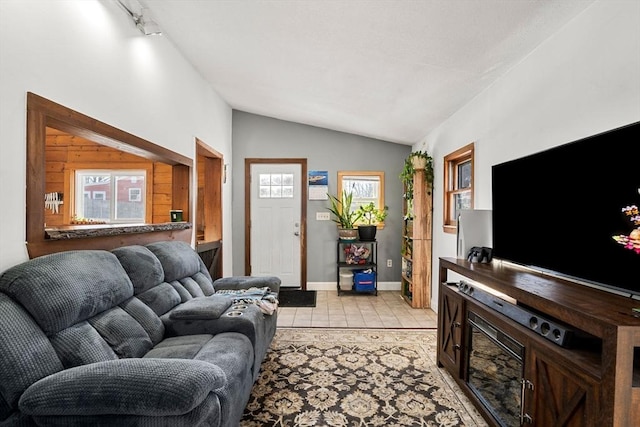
[(202, 308), (246, 282), (141, 387)]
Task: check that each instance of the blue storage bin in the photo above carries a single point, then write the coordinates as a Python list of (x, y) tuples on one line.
[(364, 281)]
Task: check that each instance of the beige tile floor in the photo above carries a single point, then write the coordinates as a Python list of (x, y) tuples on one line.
[(385, 310)]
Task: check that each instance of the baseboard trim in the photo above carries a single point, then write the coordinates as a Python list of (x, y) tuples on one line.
[(331, 286)]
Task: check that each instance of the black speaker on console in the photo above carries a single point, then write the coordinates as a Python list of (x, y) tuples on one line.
[(550, 329)]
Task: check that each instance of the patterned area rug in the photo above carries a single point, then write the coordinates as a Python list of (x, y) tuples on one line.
[(356, 377)]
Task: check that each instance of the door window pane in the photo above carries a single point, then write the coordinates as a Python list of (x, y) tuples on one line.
[(275, 186)]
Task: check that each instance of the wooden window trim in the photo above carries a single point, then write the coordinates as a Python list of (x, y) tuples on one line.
[(451, 160), (43, 113), (378, 174)]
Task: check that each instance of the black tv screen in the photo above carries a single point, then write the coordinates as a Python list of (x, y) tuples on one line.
[(573, 210)]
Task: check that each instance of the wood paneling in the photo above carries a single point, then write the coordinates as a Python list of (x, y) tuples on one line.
[(162, 192), (66, 153)]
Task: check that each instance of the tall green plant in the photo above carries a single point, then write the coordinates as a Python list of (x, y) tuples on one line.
[(341, 209)]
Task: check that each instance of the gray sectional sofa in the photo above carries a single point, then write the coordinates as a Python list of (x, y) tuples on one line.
[(136, 336)]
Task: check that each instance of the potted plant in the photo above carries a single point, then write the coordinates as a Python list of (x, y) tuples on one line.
[(371, 216), (415, 161), (344, 215)]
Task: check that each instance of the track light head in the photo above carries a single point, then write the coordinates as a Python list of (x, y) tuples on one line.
[(148, 26), (141, 18)]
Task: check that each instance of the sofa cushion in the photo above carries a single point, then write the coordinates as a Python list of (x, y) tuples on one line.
[(183, 347), (63, 277), (162, 298), (193, 287), (109, 335), (26, 355), (122, 332), (230, 351), (179, 260), (142, 266), (146, 317), (202, 308), (81, 344)]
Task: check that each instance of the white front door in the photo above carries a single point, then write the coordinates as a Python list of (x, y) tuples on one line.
[(276, 221)]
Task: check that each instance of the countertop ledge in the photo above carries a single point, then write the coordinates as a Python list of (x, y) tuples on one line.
[(68, 232)]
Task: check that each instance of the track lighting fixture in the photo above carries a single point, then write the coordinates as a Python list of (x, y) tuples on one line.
[(141, 17)]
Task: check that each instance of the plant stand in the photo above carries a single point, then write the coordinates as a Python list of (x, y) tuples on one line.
[(353, 263)]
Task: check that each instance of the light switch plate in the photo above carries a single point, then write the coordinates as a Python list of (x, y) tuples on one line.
[(323, 216)]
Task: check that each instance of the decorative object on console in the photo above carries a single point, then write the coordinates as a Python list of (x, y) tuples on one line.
[(632, 241), (480, 254)]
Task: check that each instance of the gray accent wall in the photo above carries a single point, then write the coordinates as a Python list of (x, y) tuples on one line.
[(255, 136)]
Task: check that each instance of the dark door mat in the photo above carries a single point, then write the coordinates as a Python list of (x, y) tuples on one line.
[(296, 298)]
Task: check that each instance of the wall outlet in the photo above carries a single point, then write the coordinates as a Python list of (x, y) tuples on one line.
[(323, 216), (389, 263)]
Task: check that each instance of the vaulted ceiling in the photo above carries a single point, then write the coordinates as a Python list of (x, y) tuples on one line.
[(387, 69)]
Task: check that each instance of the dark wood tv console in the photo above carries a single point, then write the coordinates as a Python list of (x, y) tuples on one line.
[(593, 382)]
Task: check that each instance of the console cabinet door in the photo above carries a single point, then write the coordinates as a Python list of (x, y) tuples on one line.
[(562, 395), (450, 346)]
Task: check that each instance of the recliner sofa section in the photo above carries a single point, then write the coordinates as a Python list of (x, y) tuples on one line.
[(173, 281), (82, 342)]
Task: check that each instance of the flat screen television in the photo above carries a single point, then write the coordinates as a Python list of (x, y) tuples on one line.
[(572, 210)]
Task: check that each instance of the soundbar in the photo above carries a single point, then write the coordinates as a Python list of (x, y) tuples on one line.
[(552, 330)]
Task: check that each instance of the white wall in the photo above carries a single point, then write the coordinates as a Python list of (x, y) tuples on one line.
[(582, 81), (88, 56)]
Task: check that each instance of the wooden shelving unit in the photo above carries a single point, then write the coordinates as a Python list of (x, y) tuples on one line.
[(416, 244)]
